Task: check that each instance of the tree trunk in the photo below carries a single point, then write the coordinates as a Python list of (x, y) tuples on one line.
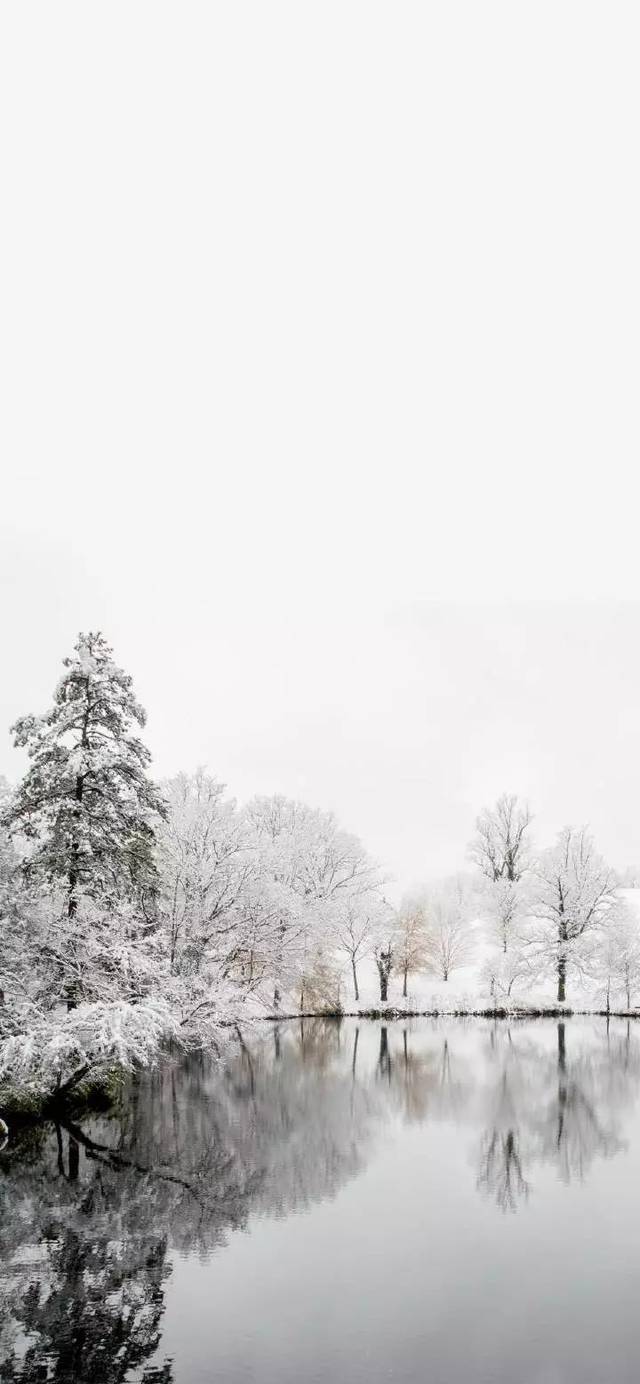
[(404, 983), (63, 1088), (562, 955), (562, 979), (72, 989), (355, 980), (384, 962), (75, 850)]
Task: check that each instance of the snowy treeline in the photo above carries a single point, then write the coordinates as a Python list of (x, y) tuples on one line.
[(529, 922), (135, 912), (554, 913)]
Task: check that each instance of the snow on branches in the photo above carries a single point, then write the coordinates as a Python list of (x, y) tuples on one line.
[(86, 805), (54, 1055)]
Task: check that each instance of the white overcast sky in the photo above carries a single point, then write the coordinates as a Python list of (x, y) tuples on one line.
[(319, 357)]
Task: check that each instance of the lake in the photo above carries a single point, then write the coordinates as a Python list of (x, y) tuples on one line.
[(439, 1201)]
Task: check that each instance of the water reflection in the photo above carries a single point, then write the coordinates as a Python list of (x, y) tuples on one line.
[(562, 1106), (83, 1269), (91, 1215)]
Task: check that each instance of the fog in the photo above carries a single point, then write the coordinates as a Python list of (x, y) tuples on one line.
[(311, 320)]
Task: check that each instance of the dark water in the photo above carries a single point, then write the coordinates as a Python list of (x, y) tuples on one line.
[(442, 1202)]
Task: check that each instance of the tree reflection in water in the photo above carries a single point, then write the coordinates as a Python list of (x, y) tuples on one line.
[(84, 1272), (91, 1213), (559, 1105)]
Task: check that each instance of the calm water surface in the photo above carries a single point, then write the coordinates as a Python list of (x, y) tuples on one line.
[(442, 1201)]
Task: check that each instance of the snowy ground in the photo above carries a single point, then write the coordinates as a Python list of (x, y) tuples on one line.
[(464, 992)]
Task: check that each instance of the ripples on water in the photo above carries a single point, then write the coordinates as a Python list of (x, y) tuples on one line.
[(443, 1201)]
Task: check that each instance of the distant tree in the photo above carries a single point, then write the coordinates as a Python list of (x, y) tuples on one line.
[(451, 943), (628, 966), (500, 847), (573, 899), (504, 971), (355, 934), (629, 878), (616, 956), (504, 904), (320, 986), (413, 940), (449, 926)]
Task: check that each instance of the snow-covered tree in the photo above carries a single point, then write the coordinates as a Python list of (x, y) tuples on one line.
[(100, 953), (205, 865), (627, 969), (500, 847), (7, 848), (360, 923), (270, 944), (574, 894), (314, 871), (413, 939), (320, 989), (10, 881), (503, 904), (615, 957), (629, 878), (354, 938), (448, 913), (504, 972), (86, 804), (53, 1057), (311, 851)]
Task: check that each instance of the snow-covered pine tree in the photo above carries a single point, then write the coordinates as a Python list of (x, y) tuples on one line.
[(86, 802)]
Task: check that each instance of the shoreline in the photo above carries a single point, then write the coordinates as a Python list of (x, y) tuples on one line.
[(498, 1012), (28, 1109)]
